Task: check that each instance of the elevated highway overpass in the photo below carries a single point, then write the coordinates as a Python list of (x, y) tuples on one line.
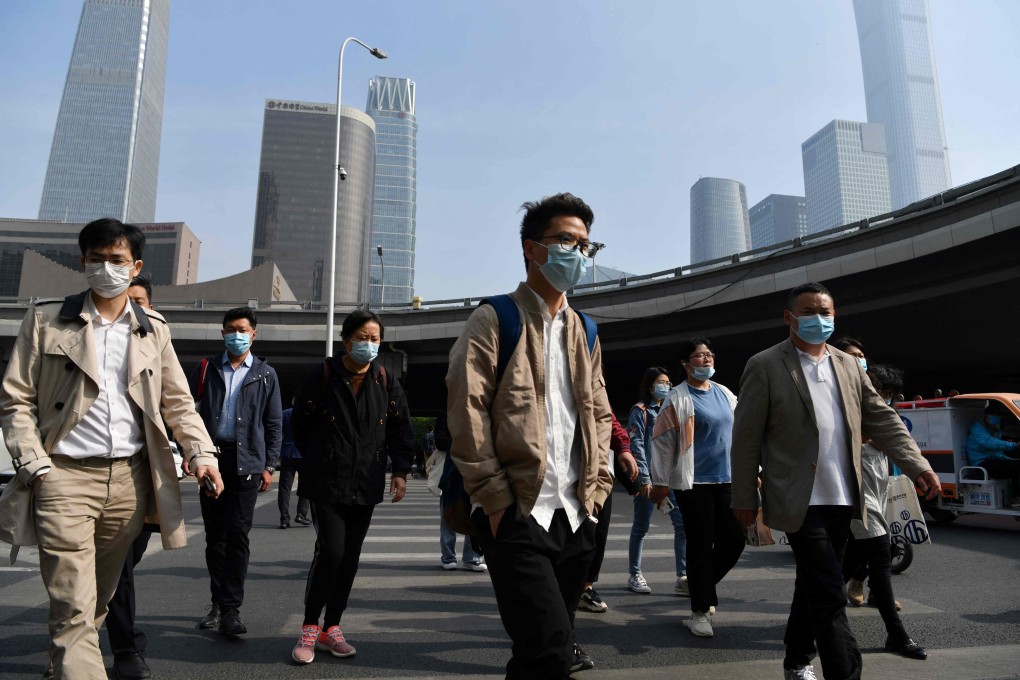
[(932, 288)]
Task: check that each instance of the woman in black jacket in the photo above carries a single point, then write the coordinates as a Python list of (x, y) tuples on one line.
[(349, 415)]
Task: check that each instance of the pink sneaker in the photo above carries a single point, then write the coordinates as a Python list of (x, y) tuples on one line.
[(304, 650), (332, 641)]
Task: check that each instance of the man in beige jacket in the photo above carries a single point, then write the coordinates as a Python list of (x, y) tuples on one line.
[(92, 384), (803, 406), (533, 446)]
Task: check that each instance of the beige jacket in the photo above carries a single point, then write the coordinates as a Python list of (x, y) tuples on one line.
[(774, 427), (499, 433), (51, 382)]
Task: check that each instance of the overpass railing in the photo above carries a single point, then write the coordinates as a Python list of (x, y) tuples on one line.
[(886, 219)]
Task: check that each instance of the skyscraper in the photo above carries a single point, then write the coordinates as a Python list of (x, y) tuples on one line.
[(719, 222), (901, 89), (391, 106), (295, 197), (845, 174), (777, 218), (104, 161)]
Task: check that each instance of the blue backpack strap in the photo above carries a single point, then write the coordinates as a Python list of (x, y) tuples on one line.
[(591, 329), (509, 319)]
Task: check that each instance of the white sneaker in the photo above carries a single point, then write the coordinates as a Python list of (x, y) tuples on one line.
[(476, 566), (638, 584), (680, 587), (805, 673), (449, 566), (700, 625)]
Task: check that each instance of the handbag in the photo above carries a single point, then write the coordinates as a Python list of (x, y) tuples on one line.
[(17, 517), (903, 512), (434, 472)]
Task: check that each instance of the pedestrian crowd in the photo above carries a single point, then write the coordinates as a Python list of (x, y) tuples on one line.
[(94, 404)]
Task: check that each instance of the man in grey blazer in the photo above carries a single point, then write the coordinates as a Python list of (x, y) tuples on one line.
[(802, 410)]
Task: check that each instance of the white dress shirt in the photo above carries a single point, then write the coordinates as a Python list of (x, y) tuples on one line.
[(562, 459), (834, 470), (112, 427)]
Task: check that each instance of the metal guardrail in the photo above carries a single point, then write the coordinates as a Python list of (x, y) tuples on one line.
[(886, 219)]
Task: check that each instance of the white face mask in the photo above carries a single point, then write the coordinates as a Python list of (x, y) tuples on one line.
[(108, 280)]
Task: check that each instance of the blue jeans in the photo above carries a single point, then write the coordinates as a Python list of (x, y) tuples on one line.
[(642, 516), (448, 544)]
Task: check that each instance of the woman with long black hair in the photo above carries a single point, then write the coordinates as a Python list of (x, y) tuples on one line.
[(349, 416)]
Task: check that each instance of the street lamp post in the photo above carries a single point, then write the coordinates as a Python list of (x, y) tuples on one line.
[(378, 54), (382, 280)]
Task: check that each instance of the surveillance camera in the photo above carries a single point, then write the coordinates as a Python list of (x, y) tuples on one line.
[(343, 174)]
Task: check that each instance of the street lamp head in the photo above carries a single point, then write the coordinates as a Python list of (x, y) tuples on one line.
[(378, 249), (377, 53)]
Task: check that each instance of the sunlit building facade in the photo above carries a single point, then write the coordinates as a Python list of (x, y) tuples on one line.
[(295, 198), (391, 106), (719, 223), (901, 89), (846, 178), (104, 161)]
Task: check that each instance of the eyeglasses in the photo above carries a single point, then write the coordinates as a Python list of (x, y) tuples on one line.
[(569, 243), (702, 355), (115, 261), (667, 383)]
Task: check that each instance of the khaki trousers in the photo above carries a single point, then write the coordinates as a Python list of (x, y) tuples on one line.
[(87, 513)]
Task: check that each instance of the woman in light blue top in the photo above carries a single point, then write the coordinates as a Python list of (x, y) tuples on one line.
[(655, 385)]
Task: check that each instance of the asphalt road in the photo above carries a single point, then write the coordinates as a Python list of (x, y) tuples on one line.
[(410, 619)]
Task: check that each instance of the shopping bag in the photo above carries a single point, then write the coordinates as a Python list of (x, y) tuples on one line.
[(758, 534), (903, 512), (434, 471)]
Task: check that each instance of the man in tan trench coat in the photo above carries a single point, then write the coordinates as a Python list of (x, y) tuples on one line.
[(91, 387)]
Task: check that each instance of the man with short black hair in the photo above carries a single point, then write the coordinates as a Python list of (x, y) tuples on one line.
[(238, 397), (803, 406), (533, 446), (92, 385)]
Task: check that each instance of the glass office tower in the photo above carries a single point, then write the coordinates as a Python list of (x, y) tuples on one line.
[(719, 222), (391, 106), (295, 197), (777, 218), (845, 174), (901, 89), (104, 161)]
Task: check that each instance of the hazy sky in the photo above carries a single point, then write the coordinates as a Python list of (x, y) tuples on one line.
[(626, 104)]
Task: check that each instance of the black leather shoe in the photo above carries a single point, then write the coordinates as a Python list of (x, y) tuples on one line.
[(284, 523), (212, 619), (907, 648), (303, 520), (130, 666), (230, 623)]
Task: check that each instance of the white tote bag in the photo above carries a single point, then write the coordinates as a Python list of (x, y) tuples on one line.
[(434, 471), (903, 512)]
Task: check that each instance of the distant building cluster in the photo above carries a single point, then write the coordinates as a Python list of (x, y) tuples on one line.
[(105, 159), (852, 170)]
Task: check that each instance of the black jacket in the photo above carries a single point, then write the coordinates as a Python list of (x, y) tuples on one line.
[(345, 439)]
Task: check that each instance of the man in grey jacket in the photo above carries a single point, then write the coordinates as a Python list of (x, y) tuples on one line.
[(238, 397), (803, 406)]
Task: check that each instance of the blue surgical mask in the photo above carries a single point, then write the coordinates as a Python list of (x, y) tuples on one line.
[(363, 352), (660, 391), (815, 330), (237, 343), (702, 372), (563, 268), (863, 362)]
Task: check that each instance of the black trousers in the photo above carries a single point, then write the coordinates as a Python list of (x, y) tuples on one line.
[(715, 540), (601, 536), (120, 621), (873, 555), (537, 576), (227, 522), (818, 612), (288, 468), (340, 531)]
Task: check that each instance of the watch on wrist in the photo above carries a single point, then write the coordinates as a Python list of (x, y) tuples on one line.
[(270, 469)]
